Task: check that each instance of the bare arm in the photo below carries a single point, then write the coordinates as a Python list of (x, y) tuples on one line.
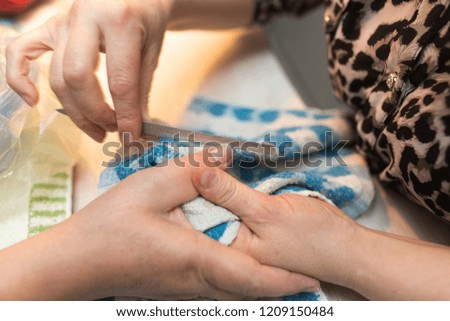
[(127, 243), (224, 14), (130, 33), (391, 267), (212, 14)]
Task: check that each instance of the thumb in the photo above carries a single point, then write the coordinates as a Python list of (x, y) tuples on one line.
[(19, 54), (222, 189)]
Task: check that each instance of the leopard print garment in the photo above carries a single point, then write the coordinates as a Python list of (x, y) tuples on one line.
[(390, 61)]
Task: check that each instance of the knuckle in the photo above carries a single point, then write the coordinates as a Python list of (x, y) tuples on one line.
[(120, 85), (57, 85), (122, 13), (127, 118), (74, 74), (127, 126), (94, 115)]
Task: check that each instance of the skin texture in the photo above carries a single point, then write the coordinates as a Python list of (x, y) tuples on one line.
[(134, 240), (123, 235), (130, 33), (76, 39), (309, 236)]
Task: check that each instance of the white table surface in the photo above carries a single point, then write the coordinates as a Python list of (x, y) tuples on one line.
[(237, 67)]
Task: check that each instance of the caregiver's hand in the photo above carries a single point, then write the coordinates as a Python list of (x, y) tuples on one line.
[(310, 236), (135, 241), (129, 32)]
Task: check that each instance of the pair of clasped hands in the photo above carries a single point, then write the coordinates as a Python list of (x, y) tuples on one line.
[(134, 240)]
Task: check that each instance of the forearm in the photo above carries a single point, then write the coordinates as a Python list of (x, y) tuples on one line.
[(390, 267), (378, 265), (211, 14), (48, 266)]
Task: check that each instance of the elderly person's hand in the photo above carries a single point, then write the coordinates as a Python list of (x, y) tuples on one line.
[(310, 236), (130, 33), (135, 241)]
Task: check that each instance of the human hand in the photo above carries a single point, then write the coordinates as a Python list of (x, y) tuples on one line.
[(134, 240), (310, 236), (298, 233), (129, 32)]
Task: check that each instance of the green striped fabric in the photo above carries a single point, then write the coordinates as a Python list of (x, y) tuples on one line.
[(50, 201)]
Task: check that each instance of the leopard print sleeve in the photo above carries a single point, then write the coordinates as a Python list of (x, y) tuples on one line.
[(265, 10), (396, 75)]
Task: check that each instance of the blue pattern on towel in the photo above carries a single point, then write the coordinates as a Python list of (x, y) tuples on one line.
[(346, 185)]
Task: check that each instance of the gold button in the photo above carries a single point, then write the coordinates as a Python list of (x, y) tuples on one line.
[(391, 80)]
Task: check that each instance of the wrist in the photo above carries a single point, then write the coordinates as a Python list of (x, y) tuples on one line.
[(176, 12), (48, 266), (342, 238), (393, 267)]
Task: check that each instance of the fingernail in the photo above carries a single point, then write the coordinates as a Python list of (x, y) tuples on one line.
[(214, 154), (208, 178), (228, 154), (313, 289), (220, 155)]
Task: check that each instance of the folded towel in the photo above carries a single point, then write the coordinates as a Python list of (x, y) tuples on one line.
[(316, 141)]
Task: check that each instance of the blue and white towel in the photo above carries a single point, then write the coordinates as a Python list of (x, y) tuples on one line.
[(335, 174)]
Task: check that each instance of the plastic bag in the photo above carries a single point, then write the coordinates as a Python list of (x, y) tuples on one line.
[(38, 150), (13, 110)]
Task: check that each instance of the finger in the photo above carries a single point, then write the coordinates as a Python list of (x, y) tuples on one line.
[(171, 181), (61, 90), (236, 272), (222, 189), (149, 63), (19, 53), (123, 57), (80, 63)]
